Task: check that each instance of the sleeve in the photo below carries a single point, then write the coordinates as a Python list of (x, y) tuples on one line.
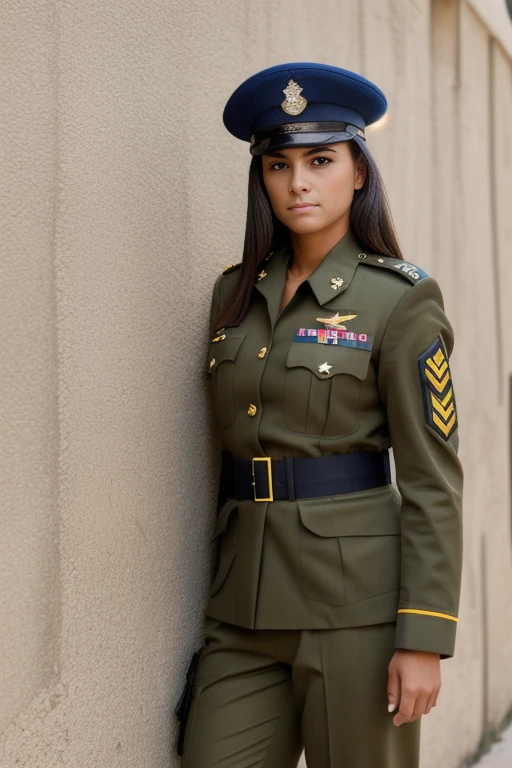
[(415, 383), (215, 304), (223, 481)]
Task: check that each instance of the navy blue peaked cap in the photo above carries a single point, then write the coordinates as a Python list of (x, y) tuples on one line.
[(302, 103)]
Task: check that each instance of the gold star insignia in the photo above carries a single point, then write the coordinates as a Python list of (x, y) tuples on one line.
[(324, 368), (335, 321), (337, 282), (262, 274)]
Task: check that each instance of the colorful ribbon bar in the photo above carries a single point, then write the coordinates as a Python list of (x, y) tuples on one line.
[(334, 336)]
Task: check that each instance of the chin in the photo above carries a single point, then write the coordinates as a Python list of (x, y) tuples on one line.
[(305, 227)]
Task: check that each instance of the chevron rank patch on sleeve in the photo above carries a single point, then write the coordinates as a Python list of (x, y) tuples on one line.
[(438, 394)]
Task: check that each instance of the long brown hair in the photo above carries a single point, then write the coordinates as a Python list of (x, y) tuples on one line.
[(370, 220)]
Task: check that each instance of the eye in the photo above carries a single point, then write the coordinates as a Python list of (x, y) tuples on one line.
[(320, 157), (323, 158)]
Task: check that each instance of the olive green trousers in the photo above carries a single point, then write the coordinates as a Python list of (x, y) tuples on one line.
[(261, 696)]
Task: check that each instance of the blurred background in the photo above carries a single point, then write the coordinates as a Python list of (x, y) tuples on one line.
[(122, 197)]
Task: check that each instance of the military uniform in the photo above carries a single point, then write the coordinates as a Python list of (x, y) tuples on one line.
[(312, 593)]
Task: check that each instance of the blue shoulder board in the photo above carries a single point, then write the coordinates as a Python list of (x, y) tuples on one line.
[(404, 268)]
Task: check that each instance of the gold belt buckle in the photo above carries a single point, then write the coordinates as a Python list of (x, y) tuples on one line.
[(269, 471)]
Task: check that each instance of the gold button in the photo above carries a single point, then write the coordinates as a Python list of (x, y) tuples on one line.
[(381, 261), (262, 352), (212, 362), (251, 410), (219, 338)]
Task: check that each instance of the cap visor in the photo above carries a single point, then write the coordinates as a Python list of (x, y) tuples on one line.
[(289, 140)]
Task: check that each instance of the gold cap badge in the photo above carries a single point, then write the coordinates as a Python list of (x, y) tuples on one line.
[(294, 103)]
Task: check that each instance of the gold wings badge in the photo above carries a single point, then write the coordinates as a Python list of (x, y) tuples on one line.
[(336, 321)]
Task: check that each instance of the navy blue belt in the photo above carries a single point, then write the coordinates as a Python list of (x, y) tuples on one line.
[(265, 479)]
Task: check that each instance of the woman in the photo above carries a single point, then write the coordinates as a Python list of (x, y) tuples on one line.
[(336, 592)]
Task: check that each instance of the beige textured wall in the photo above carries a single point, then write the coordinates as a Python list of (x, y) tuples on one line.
[(122, 196)]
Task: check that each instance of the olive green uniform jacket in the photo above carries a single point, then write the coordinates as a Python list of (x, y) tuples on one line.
[(392, 553)]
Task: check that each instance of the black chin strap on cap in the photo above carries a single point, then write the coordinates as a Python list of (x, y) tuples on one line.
[(302, 135)]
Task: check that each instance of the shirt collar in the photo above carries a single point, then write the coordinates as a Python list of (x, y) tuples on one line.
[(336, 270), (332, 276)]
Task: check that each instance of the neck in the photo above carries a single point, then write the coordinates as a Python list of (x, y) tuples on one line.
[(310, 249)]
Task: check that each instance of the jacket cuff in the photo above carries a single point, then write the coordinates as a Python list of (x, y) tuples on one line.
[(420, 630)]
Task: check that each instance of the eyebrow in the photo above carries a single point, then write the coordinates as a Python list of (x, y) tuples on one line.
[(304, 154)]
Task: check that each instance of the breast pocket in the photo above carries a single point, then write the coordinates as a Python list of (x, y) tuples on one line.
[(350, 545), (322, 387), (221, 368)]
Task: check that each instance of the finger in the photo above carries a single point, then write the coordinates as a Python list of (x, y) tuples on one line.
[(419, 706), (430, 701), (393, 687), (407, 702)]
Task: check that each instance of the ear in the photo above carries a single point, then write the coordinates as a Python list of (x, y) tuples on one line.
[(360, 172)]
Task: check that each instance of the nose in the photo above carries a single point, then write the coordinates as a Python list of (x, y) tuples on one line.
[(298, 180)]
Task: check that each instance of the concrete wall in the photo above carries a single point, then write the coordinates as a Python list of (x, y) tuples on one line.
[(122, 198)]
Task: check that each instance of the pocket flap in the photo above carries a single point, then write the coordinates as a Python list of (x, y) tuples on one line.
[(341, 359), (223, 516), (225, 349), (370, 512)]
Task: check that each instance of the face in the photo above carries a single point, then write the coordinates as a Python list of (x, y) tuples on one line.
[(323, 176)]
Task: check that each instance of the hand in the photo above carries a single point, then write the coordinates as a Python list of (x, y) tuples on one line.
[(414, 682)]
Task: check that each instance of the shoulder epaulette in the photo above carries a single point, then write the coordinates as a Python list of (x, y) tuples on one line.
[(231, 267), (411, 271)]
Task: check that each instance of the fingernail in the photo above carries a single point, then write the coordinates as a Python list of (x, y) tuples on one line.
[(391, 707)]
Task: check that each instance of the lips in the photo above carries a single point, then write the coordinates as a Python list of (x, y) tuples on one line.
[(303, 205)]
